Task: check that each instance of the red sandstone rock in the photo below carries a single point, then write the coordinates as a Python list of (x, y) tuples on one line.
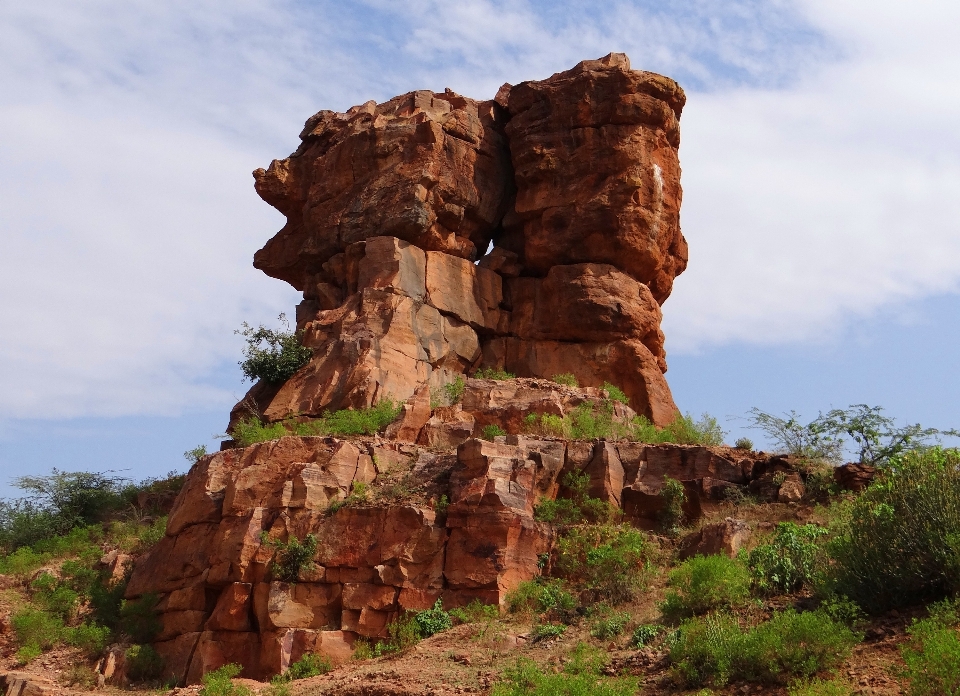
[(232, 612), (726, 537), (431, 169), (594, 152), (854, 477)]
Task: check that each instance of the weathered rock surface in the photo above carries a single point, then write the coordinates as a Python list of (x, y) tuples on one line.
[(726, 537), (594, 153), (574, 178), (431, 169), (220, 598)]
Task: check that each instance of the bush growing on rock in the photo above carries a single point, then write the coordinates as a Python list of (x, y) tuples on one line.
[(609, 561), (273, 356), (582, 676), (495, 373), (901, 544), (788, 561), (714, 649), (566, 379), (492, 431), (673, 496), (291, 557), (143, 663), (703, 584), (219, 682)]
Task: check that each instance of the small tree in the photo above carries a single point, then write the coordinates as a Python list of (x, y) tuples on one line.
[(815, 440), (273, 356)]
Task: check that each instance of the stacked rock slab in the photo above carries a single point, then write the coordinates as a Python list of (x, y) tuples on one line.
[(574, 179), (220, 601)]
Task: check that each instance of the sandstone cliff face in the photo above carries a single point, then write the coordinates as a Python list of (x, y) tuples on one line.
[(576, 181), (220, 601)]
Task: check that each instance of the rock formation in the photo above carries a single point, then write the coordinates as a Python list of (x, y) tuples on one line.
[(574, 179), (394, 549)]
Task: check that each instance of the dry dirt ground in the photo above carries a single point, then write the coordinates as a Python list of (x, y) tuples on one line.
[(469, 659)]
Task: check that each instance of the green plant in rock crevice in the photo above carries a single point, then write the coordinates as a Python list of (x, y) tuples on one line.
[(291, 557), (272, 355)]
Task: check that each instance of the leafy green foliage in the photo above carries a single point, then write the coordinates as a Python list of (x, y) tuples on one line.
[(609, 624), (273, 356), (36, 630), (492, 431), (644, 634), (590, 421), (932, 655), (138, 618), (547, 631), (744, 443), (819, 687), (309, 665), (475, 612), (539, 596), (674, 497), (143, 663), (252, 430), (567, 379), (578, 508), (291, 557), (615, 393), (787, 562), (433, 620), (581, 676), (877, 437), (454, 390), (814, 440), (715, 649), (497, 373), (901, 544), (608, 561), (196, 454), (703, 584), (219, 682)]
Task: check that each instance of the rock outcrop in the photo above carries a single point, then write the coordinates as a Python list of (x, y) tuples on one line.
[(574, 179), (399, 525)]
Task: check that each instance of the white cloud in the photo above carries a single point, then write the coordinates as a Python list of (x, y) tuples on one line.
[(820, 164)]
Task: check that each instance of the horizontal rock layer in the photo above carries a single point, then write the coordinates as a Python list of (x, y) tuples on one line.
[(220, 601)]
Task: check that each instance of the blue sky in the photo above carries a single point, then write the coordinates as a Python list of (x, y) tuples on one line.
[(821, 172)]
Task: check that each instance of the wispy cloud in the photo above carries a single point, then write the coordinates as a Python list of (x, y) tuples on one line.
[(819, 157)]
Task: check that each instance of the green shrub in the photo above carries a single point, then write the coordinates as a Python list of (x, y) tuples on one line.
[(492, 431), (252, 430), (589, 421), (497, 373), (671, 514), (36, 630), (684, 430), (815, 440), (433, 620), (539, 596), (545, 425), (567, 379), (143, 663), (291, 557), (703, 584), (744, 443), (362, 650), (819, 687), (608, 560), (644, 634), (527, 679), (89, 637), (273, 356), (610, 625), (54, 597), (454, 390), (901, 544), (547, 631), (196, 454), (614, 393), (309, 665), (932, 655), (27, 654), (579, 507), (219, 682), (475, 612), (360, 421), (715, 649), (788, 561)]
